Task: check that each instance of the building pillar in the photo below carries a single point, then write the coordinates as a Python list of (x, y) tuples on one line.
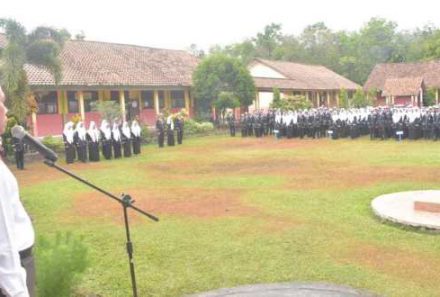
[(328, 99), (100, 95), (436, 96), (156, 101), (307, 96), (318, 99), (122, 103), (81, 105), (140, 102), (337, 98), (34, 123), (412, 99), (168, 100), (60, 102), (257, 101), (187, 106)]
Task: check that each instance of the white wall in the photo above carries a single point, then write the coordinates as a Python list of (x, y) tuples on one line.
[(260, 70), (266, 99)]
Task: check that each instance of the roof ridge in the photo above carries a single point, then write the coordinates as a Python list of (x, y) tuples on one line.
[(291, 62), (126, 44), (410, 63)]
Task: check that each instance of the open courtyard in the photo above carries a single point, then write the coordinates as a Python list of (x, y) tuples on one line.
[(237, 211)]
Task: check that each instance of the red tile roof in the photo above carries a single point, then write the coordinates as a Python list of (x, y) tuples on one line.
[(429, 71), (100, 64), (406, 86), (303, 77)]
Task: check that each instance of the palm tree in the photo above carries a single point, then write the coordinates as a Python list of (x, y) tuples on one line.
[(41, 47)]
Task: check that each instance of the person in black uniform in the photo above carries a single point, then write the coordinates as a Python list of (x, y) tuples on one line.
[(231, 123), (18, 145), (116, 140), (170, 131), (106, 136), (178, 125), (80, 139), (69, 142), (93, 136), (126, 139), (160, 128), (136, 137)]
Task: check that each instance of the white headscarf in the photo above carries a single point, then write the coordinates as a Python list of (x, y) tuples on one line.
[(126, 130), (93, 132), (81, 130), (135, 128), (105, 128), (68, 132)]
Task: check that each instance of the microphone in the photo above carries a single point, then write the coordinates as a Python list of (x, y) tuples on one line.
[(19, 132)]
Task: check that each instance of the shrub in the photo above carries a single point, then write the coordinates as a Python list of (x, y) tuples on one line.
[(54, 143), (192, 127), (59, 264), (7, 137), (147, 135), (75, 119)]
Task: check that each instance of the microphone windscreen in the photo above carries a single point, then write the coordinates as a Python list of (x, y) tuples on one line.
[(18, 132)]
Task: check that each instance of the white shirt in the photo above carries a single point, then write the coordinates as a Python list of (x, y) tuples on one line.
[(16, 234)]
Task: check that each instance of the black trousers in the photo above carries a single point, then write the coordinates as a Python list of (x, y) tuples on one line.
[(19, 159), (28, 264)]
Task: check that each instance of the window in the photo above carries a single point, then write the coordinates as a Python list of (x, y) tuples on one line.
[(177, 99), (161, 99), (72, 102), (114, 96), (47, 102), (147, 99), (90, 98)]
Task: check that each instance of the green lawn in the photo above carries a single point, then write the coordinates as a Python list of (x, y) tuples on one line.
[(242, 211)]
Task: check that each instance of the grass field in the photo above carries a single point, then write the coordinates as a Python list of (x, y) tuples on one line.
[(242, 211)]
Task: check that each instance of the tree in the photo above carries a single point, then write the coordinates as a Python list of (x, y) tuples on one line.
[(276, 101), (343, 99), (108, 110), (219, 73), (224, 101), (267, 41), (41, 47), (360, 99), (429, 97), (195, 51)]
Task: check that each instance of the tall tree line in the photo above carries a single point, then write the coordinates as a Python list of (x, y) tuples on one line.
[(352, 54)]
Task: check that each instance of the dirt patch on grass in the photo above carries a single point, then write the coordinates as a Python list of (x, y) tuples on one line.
[(276, 225), (298, 172), (414, 267), (197, 203), (36, 172), (321, 175), (269, 142)]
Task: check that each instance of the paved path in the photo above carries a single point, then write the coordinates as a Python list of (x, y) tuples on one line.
[(399, 208), (287, 289)]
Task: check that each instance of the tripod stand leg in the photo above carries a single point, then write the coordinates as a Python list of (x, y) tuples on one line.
[(130, 252)]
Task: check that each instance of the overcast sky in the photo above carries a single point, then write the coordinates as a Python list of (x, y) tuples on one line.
[(177, 24)]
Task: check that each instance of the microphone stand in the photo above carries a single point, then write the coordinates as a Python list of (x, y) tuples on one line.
[(126, 202)]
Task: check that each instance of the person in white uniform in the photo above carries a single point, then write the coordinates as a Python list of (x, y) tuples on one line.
[(17, 270)]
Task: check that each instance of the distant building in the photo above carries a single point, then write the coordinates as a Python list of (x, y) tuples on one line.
[(316, 83), (142, 80), (404, 83)]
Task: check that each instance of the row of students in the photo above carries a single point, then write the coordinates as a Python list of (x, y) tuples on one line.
[(84, 144)]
